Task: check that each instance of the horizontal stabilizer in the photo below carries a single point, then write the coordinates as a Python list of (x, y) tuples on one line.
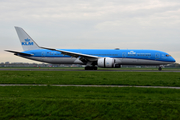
[(19, 53)]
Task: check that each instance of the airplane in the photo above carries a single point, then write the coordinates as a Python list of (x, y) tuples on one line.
[(92, 58)]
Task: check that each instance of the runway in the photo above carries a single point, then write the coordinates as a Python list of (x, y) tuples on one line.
[(168, 87), (74, 69)]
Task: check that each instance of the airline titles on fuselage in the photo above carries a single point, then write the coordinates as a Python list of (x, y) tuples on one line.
[(132, 53)]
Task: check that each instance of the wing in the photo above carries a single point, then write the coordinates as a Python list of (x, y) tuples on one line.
[(19, 53), (75, 54)]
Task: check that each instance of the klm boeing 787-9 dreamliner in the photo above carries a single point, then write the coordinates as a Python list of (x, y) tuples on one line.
[(92, 58)]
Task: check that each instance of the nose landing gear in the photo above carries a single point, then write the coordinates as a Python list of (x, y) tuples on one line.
[(160, 68)]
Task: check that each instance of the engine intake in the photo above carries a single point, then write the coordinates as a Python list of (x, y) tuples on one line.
[(107, 63)]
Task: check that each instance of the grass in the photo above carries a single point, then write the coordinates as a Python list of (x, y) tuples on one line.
[(49, 102), (52, 102), (91, 78)]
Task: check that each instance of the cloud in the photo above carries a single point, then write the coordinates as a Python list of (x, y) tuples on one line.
[(88, 24), (94, 9)]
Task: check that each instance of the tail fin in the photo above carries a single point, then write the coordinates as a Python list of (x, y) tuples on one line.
[(26, 41)]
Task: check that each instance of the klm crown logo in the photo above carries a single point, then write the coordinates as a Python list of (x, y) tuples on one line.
[(27, 42), (131, 52)]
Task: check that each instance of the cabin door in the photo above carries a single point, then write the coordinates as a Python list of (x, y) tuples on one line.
[(124, 55), (157, 55), (43, 54)]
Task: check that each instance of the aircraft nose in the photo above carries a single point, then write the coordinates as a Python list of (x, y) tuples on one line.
[(173, 60)]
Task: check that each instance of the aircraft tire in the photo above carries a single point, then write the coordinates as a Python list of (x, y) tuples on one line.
[(86, 68), (94, 68), (90, 68), (160, 68)]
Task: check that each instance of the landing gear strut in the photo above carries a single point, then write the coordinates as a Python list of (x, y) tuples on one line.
[(90, 68)]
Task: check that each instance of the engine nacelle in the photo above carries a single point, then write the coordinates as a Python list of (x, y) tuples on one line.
[(106, 62)]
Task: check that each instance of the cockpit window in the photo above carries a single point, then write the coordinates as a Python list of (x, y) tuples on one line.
[(168, 55)]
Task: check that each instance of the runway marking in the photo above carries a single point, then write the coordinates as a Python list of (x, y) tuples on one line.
[(169, 87)]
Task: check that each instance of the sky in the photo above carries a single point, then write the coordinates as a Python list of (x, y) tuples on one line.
[(91, 24)]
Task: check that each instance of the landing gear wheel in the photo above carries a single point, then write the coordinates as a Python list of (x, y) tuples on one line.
[(94, 68), (160, 68), (87, 68), (90, 68)]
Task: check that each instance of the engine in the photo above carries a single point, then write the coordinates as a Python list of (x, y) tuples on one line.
[(107, 63)]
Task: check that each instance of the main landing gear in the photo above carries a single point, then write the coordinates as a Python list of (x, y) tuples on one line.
[(90, 68)]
